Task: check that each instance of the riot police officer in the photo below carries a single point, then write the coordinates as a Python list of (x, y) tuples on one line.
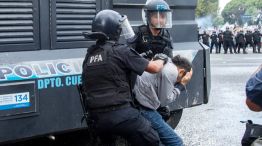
[(241, 42), (214, 41), (106, 77), (249, 40), (257, 40), (153, 36), (228, 38), (220, 40), (205, 38)]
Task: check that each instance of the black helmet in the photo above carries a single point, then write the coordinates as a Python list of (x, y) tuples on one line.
[(108, 25), (161, 9)]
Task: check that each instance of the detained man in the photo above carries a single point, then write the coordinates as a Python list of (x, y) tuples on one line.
[(153, 90)]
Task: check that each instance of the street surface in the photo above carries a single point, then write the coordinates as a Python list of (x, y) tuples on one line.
[(218, 122)]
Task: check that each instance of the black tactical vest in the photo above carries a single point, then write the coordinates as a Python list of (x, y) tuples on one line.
[(213, 38), (205, 38), (248, 37), (241, 38), (105, 83), (157, 44), (227, 35)]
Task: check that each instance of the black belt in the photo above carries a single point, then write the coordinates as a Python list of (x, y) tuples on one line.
[(111, 108)]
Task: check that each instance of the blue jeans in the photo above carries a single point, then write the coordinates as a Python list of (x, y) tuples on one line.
[(166, 133)]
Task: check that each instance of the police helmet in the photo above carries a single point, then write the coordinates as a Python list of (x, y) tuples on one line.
[(157, 14), (109, 25)]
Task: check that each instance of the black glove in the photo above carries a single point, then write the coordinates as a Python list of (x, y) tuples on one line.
[(164, 112), (148, 54), (161, 56)]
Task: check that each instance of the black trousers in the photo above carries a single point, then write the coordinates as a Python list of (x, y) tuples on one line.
[(212, 45), (241, 45), (251, 44), (220, 44), (257, 45), (126, 122), (227, 45)]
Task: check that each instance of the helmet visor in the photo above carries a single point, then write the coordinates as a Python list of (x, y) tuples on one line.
[(160, 19), (127, 30)]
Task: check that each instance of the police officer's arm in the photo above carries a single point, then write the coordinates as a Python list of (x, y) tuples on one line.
[(133, 61), (155, 66)]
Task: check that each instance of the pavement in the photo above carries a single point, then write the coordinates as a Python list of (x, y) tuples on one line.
[(218, 122)]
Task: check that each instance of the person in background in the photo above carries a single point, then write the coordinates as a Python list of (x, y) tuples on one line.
[(205, 38), (228, 38), (220, 40), (241, 42), (257, 40), (249, 40), (214, 39)]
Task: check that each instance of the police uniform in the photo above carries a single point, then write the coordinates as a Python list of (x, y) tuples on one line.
[(249, 40), (228, 41), (145, 41), (214, 42), (257, 40), (205, 38), (106, 79), (241, 42), (220, 41)]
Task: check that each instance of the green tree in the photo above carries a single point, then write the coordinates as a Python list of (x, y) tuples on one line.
[(236, 8), (218, 21), (207, 7)]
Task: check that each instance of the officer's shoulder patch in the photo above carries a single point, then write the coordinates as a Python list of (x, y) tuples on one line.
[(97, 58)]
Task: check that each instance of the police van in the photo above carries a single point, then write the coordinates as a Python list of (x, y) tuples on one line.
[(41, 55)]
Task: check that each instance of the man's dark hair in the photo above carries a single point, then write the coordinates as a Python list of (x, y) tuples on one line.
[(182, 62)]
